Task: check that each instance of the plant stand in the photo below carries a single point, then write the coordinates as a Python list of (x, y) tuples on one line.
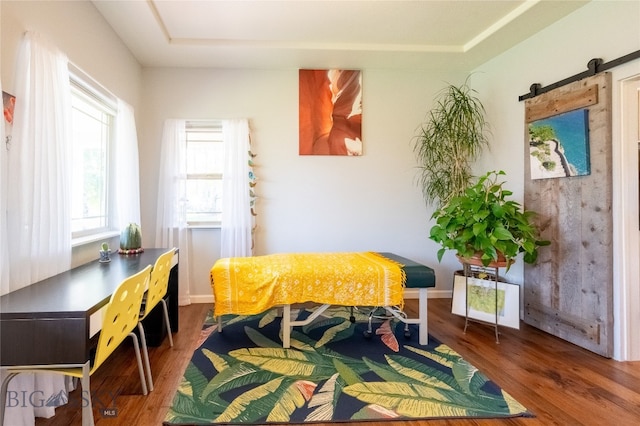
[(467, 263)]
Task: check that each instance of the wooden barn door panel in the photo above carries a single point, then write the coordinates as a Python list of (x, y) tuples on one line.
[(569, 291)]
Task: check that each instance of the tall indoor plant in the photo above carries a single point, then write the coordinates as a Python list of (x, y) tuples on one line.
[(452, 137), (484, 224)]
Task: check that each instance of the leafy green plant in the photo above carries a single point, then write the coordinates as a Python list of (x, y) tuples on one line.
[(484, 222), (105, 247), (449, 141)]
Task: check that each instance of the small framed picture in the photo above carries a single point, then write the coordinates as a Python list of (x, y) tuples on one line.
[(8, 105), (481, 296)]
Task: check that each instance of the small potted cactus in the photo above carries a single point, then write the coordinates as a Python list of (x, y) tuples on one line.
[(105, 253)]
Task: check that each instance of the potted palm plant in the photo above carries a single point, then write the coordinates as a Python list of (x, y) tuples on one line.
[(450, 140), (484, 227)]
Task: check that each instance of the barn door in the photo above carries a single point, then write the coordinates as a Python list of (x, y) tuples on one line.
[(569, 291)]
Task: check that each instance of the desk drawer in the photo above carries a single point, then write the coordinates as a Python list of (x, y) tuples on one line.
[(43, 341)]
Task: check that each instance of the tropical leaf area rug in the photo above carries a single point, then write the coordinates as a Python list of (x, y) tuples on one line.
[(331, 373)]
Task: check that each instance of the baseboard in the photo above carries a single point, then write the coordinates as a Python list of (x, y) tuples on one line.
[(201, 298), (412, 293)]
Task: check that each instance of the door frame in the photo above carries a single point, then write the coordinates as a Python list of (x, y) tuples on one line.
[(627, 223)]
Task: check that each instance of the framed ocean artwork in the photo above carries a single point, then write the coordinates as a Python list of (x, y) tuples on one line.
[(559, 145)]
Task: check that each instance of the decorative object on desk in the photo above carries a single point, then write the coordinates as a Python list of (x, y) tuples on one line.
[(453, 136), (105, 253), (331, 374), (483, 223), (131, 239)]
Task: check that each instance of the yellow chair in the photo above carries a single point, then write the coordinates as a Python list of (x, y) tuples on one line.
[(119, 320), (155, 295)]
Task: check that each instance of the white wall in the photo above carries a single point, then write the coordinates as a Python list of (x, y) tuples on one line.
[(601, 29), (79, 31), (306, 203)]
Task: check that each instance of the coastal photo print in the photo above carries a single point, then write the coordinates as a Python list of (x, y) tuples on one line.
[(330, 112), (559, 145), (8, 105)]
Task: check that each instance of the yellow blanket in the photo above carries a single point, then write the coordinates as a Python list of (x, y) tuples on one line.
[(250, 285)]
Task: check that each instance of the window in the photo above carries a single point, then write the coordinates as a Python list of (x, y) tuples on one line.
[(205, 164), (92, 132)]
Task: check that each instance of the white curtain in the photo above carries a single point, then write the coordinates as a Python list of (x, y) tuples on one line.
[(127, 209), (236, 239), (38, 203), (39, 218), (171, 220)]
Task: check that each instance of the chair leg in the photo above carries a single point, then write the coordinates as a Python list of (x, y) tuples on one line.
[(166, 320), (3, 395), (145, 355), (87, 406), (136, 347)]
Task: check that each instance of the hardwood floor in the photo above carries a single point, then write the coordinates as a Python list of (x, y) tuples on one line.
[(561, 384)]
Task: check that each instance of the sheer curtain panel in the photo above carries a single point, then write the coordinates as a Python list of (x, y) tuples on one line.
[(236, 238), (39, 218), (171, 219), (127, 178), (38, 203)]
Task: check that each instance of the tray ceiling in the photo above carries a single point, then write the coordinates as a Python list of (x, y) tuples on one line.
[(451, 35)]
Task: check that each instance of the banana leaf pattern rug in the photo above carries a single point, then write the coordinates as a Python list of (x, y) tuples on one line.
[(331, 373)]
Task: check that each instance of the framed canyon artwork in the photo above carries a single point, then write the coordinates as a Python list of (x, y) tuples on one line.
[(330, 112)]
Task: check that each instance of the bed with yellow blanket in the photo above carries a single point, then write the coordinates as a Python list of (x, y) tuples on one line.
[(251, 285)]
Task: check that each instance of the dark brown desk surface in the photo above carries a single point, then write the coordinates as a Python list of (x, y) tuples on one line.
[(68, 300)]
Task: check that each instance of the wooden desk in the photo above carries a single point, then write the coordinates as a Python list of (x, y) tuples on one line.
[(57, 320)]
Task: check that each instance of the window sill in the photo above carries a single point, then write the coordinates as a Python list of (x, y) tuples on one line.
[(76, 242), (204, 226)]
